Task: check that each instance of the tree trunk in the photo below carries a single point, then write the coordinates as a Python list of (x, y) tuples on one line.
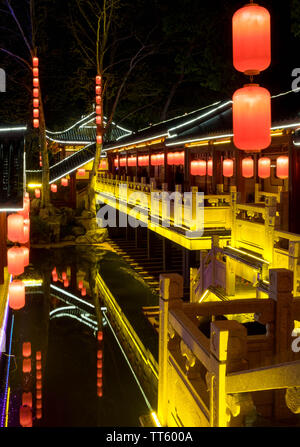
[(45, 159), (93, 181)]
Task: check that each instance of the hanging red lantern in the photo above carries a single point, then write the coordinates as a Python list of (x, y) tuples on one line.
[(38, 365), (36, 82), (36, 102), (38, 385), (123, 161), (38, 355), (99, 120), (251, 33), (99, 139), (210, 168), (83, 291), (37, 193), (35, 92), (35, 61), (27, 399), (264, 167), (26, 350), (99, 354), (153, 160), (54, 187), (15, 261), (99, 373), (100, 336), (228, 167), (35, 72), (81, 172), (36, 113), (39, 394), (39, 375), (98, 80), (26, 232), (26, 255), (98, 99), (170, 158), (64, 182), (131, 161), (16, 293), (25, 416), (116, 162), (55, 277), (80, 285), (251, 112), (198, 167), (99, 363), (66, 283), (282, 167), (99, 382), (64, 276), (99, 392), (26, 366), (38, 414), (248, 167), (15, 225)]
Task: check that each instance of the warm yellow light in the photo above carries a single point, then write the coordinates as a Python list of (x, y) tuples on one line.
[(7, 407), (247, 254), (34, 185), (222, 142), (155, 419), (32, 282), (203, 296), (200, 143)]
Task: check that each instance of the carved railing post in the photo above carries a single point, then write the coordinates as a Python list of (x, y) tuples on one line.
[(228, 348), (171, 292)]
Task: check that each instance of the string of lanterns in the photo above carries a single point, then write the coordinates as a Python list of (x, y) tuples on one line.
[(36, 92), (99, 109), (18, 230), (251, 110)]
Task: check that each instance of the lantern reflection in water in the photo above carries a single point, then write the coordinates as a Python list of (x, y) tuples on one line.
[(16, 293)]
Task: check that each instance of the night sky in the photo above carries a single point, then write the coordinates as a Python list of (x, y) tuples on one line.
[(188, 56)]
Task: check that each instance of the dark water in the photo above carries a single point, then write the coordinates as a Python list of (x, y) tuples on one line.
[(69, 363)]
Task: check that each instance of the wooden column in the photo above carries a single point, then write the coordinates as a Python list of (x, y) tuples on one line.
[(73, 190)]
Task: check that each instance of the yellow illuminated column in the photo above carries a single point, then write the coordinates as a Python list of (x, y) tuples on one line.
[(171, 292)]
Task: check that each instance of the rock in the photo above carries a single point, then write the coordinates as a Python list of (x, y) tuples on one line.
[(35, 206), (87, 223), (93, 237), (87, 214), (78, 230), (70, 237)]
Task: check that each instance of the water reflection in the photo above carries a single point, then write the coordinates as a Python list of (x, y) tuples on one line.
[(76, 374)]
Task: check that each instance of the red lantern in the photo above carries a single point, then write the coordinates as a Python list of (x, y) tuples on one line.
[(26, 231), (64, 182), (98, 120), (251, 32), (170, 158), (80, 285), (131, 161), (36, 103), (252, 118), (83, 291), (99, 373), (99, 364), (210, 168), (36, 113), (38, 414), (35, 82), (16, 293), (228, 167), (26, 256), (38, 365), (55, 277), (98, 90), (64, 276), (99, 354), (123, 161), (15, 225), (39, 375), (248, 167), (264, 167), (99, 139), (99, 392), (282, 167), (198, 167), (38, 355), (98, 80), (27, 399), (37, 193), (36, 123), (26, 366), (116, 162), (159, 159), (39, 404), (100, 336), (98, 99), (99, 383), (35, 61), (38, 385), (66, 283), (26, 349), (25, 416), (35, 92), (35, 72), (81, 172), (15, 261), (39, 394), (54, 187)]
